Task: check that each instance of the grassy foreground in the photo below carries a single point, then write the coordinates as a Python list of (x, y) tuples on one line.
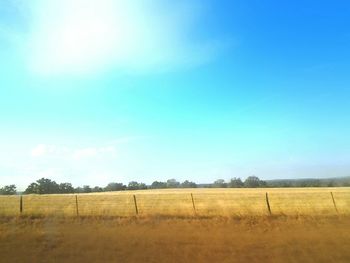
[(160, 239)]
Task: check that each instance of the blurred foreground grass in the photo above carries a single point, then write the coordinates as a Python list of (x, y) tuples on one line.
[(168, 239), (178, 202)]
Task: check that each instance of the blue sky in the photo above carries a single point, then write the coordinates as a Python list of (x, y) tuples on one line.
[(98, 91)]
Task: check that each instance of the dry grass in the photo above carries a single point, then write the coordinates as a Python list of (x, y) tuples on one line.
[(230, 225), (208, 202), (154, 239)]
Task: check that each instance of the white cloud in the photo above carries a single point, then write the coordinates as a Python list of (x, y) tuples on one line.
[(39, 150), (49, 150), (84, 36)]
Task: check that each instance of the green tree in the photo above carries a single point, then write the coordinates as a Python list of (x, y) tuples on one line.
[(66, 188), (142, 186), (253, 182), (97, 189), (188, 184), (158, 185), (220, 183), (133, 185), (8, 190), (33, 188), (172, 183), (43, 186), (47, 186), (78, 190), (115, 187), (87, 189), (235, 183)]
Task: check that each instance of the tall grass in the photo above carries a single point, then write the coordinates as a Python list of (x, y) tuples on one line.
[(178, 202)]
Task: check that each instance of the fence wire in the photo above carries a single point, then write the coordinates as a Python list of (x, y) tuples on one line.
[(211, 203)]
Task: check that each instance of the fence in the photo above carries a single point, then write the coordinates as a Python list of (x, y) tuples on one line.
[(182, 203)]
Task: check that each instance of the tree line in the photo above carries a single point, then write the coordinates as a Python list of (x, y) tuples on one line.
[(48, 186)]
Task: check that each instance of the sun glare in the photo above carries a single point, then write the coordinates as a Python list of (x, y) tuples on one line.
[(78, 40), (90, 36)]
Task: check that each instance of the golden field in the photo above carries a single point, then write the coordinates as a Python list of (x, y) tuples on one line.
[(227, 225), (178, 202)]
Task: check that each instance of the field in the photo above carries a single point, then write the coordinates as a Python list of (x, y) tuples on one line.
[(185, 202), (224, 225)]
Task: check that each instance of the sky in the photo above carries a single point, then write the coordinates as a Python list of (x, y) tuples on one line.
[(99, 91)]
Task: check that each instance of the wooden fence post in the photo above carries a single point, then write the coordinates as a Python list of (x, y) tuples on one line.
[(76, 204), (268, 203), (135, 203), (335, 206), (21, 204), (194, 207)]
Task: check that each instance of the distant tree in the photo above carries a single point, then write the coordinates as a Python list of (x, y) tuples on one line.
[(172, 183), (66, 188), (286, 184), (78, 190), (133, 185), (346, 183), (8, 190), (33, 188), (262, 183), (43, 186), (235, 183), (87, 189), (47, 186), (316, 183), (308, 183), (97, 189), (143, 186), (220, 183), (188, 184), (115, 187), (158, 185), (253, 182)]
